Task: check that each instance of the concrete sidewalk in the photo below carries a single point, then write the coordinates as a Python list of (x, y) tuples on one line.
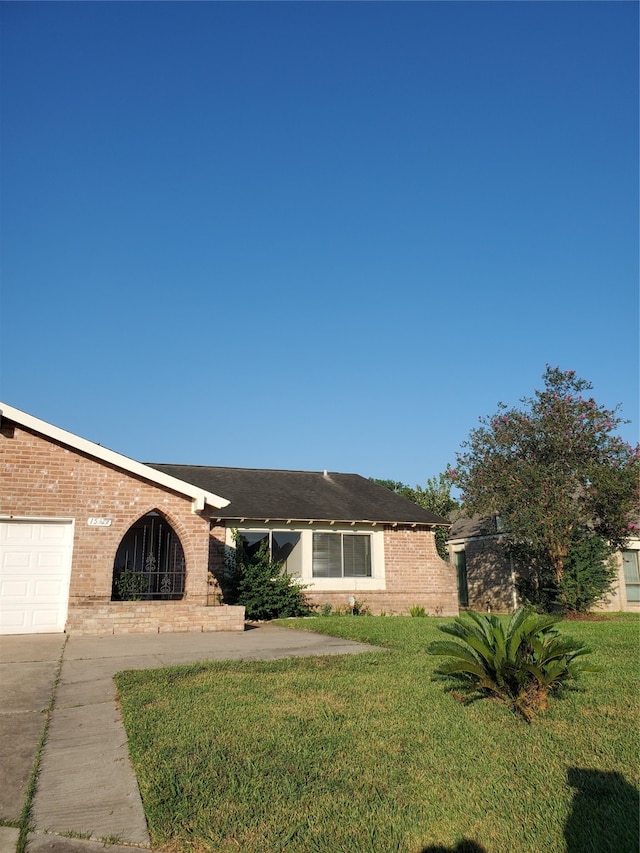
[(86, 784)]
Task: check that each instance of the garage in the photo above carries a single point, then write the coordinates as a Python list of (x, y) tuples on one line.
[(35, 569)]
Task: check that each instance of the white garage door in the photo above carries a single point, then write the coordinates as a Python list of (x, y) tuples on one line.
[(35, 568)]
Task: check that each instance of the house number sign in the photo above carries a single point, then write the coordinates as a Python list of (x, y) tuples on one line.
[(99, 522)]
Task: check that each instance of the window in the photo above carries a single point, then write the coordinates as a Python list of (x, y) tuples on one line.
[(252, 540), (149, 562), (284, 547), (341, 555), (631, 575)]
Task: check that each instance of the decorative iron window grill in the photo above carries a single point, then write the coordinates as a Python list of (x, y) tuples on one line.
[(149, 563)]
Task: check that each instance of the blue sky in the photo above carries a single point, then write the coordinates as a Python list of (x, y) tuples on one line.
[(315, 235)]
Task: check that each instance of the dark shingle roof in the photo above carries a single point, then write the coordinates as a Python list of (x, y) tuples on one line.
[(301, 495), (470, 527)]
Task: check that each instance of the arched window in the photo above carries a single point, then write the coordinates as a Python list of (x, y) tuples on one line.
[(149, 563)]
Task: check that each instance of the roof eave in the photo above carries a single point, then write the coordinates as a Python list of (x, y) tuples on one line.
[(331, 521)]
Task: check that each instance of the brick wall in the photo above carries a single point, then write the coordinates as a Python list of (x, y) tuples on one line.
[(380, 602), (414, 574), (44, 479), (489, 575), (153, 617)]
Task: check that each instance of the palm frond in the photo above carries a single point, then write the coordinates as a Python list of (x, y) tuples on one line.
[(521, 662), (453, 666)]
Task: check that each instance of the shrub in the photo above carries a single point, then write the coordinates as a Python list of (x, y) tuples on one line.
[(588, 574), (357, 608), (131, 585), (521, 665), (262, 586), (587, 578), (417, 611)]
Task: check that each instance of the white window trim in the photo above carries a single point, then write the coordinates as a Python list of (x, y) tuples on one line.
[(632, 545)]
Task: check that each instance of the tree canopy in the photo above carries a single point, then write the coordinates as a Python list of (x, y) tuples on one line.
[(553, 468)]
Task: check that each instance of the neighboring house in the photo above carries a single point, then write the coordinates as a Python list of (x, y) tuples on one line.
[(80, 525), (486, 573)]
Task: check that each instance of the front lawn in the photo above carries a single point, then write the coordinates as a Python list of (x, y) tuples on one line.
[(368, 753)]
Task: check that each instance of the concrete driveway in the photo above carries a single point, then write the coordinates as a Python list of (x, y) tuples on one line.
[(28, 665), (85, 783)]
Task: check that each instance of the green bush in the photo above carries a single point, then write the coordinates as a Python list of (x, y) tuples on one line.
[(521, 665), (587, 578), (417, 611), (262, 586), (588, 574), (131, 585)]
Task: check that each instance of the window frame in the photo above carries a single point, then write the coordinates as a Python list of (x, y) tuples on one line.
[(267, 533), (342, 575), (346, 585), (631, 584)]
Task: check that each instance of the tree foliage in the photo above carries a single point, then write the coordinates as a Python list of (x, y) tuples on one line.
[(520, 663), (435, 496), (552, 469), (588, 576), (262, 586)]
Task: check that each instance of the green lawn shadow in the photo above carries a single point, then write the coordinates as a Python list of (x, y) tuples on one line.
[(604, 815)]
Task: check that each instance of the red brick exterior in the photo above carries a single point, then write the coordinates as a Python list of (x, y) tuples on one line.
[(415, 576), (153, 617), (416, 573), (44, 479)]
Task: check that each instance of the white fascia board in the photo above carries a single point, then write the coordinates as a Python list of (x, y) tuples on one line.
[(200, 497)]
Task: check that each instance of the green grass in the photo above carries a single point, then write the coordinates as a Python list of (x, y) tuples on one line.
[(369, 753)]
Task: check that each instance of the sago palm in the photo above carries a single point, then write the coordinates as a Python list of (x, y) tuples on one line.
[(521, 661)]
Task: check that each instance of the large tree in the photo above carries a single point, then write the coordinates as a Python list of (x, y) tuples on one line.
[(552, 469)]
